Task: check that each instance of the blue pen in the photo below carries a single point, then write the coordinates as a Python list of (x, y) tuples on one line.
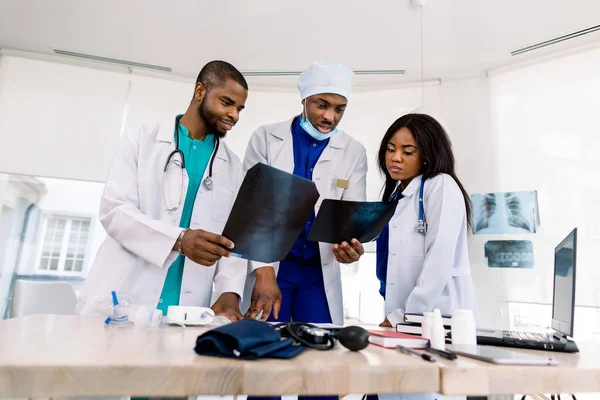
[(115, 303), (114, 297)]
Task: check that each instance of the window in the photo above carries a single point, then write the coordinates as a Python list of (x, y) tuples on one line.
[(64, 245), (49, 230)]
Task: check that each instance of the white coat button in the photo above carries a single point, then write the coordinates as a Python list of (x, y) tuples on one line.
[(314, 145), (311, 169), (160, 301), (194, 147)]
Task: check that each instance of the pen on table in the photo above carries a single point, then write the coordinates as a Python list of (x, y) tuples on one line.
[(447, 354), (409, 351)]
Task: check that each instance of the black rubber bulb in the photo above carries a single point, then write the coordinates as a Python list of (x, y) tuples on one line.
[(353, 338)]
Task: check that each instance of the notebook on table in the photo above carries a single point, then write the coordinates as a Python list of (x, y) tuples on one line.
[(390, 339), (412, 318), (415, 329)]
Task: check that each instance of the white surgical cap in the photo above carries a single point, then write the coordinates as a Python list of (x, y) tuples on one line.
[(325, 77)]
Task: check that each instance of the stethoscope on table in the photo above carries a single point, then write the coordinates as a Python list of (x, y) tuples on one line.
[(208, 182)]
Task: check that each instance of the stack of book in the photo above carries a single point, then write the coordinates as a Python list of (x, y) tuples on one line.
[(412, 324), (390, 339)]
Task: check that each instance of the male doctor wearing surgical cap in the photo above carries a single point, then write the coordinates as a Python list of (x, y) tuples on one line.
[(306, 285)]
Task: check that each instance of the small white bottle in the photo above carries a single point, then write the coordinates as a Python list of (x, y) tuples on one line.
[(426, 325), (437, 340), (463, 327)]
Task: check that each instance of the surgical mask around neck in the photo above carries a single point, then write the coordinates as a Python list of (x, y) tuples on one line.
[(311, 130)]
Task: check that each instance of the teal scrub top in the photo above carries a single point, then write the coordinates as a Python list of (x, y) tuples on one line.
[(197, 154)]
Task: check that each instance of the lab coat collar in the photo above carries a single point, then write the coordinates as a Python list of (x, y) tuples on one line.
[(413, 186), (284, 131), (221, 153), (165, 131)]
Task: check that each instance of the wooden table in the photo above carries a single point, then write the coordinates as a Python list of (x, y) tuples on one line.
[(68, 356), (576, 373)]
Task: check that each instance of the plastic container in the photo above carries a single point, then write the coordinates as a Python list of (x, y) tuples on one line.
[(438, 336), (145, 317), (463, 327), (114, 306), (426, 325)]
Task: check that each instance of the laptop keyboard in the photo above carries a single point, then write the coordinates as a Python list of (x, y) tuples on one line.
[(527, 336)]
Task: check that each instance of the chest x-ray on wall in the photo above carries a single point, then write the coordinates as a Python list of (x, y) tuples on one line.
[(505, 213)]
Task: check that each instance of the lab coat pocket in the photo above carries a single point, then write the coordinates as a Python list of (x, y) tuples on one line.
[(222, 201), (415, 245)]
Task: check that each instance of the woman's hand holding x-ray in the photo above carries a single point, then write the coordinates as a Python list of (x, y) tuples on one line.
[(205, 248), (346, 253)]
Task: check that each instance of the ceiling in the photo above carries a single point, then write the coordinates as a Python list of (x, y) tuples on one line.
[(462, 38)]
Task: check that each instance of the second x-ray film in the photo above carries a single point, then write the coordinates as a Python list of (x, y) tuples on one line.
[(339, 220)]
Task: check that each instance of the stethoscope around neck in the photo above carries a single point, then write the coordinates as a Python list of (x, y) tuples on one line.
[(208, 182), (422, 224)]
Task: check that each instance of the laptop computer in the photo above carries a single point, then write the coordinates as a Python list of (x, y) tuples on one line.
[(563, 309)]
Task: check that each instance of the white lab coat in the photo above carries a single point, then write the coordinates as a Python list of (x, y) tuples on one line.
[(429, 271), (137, 252), (343, 158)]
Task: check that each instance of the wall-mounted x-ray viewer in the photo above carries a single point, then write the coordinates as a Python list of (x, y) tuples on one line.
[(505, 213)]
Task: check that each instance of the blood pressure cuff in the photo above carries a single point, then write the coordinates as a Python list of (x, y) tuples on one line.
[(247, 339)]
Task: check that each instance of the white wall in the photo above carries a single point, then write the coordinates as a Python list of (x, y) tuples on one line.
[(67, 116), (465, 109), (153, 100)]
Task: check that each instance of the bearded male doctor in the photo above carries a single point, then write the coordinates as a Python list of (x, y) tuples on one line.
[(169, 191)]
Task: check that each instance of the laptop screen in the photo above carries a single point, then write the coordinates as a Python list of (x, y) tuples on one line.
[(563, 303)]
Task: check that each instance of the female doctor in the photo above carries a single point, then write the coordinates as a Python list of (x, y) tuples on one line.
[(422, 258)]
